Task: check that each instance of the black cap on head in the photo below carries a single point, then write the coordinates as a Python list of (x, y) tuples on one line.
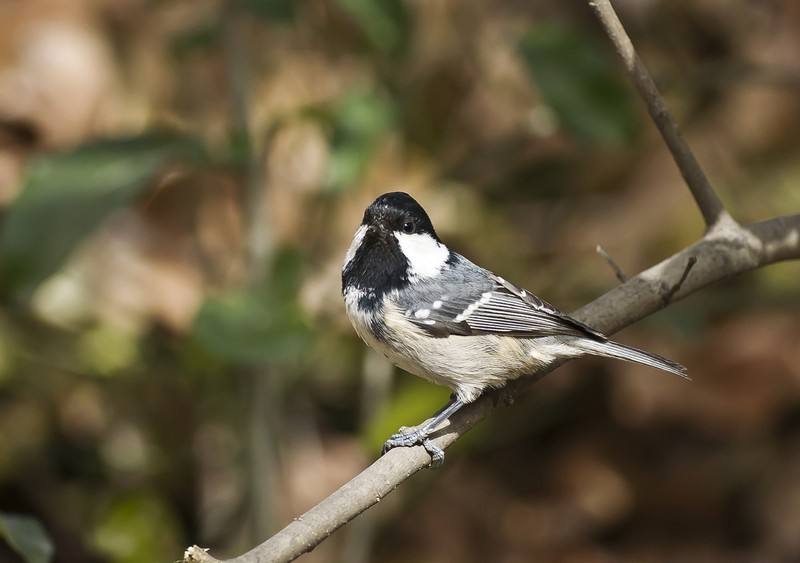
[(376, 260), (398, 211)]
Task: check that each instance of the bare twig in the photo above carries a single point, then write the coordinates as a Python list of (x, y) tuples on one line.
[(667, 298), (704, 195), (617, 270), (721, 253), (263, 467)]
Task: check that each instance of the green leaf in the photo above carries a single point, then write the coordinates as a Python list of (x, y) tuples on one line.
[(254, 326), (27, 537), (358, 122), (243, 328), (272, 10), (106, 350), (414, 402), (136, 528), (65, 198), (385, 23), (202, 38), (578, 80)]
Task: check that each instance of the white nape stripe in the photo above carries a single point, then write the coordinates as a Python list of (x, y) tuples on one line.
[(355, 245), (426, 257)]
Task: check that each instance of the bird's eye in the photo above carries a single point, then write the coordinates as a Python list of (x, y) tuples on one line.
[(409, 227)]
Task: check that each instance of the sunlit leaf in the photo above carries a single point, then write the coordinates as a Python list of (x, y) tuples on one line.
[(578, 79), (27, 537), (137, 528), (67, 195), (413, 403), (106, 350)]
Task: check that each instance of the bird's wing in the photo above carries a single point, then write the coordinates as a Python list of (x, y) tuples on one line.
[(494, 307)]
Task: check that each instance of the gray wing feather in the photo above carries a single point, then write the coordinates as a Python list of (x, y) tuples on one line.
[(558, 317), (468, 300)]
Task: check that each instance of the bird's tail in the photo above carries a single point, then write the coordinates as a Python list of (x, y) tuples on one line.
[(618, 351)]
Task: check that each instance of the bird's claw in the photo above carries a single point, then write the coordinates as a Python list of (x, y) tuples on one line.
[(405, 438), (436, 453), (408, 437)]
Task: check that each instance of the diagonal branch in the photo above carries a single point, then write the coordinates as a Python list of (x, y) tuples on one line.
[(704, 195), (723, 252)]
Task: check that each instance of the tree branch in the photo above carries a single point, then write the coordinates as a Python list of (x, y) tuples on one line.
[(726, 249), (723, 252), (704, 195)]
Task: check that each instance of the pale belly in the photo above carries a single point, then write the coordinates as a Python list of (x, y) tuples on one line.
[(466, 364)]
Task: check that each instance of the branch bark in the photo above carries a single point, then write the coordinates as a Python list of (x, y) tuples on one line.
[(704, 195), (723, 252)]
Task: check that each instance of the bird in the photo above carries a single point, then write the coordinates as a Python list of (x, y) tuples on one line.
[(435, 314)]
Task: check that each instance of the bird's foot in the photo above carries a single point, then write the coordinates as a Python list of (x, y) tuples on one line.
[(405, 438), (408, 437), (436, 453)]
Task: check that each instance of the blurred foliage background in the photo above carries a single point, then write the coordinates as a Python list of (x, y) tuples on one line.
[(179, 181)]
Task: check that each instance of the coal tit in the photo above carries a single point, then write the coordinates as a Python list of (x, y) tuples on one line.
[(437, 315)]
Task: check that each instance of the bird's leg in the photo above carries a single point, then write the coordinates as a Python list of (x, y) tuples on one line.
[(418, 435)]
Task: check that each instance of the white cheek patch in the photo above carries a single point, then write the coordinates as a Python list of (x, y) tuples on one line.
[(426, 257), (358, 238)]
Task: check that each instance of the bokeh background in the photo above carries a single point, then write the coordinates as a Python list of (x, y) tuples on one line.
[(179, 181)]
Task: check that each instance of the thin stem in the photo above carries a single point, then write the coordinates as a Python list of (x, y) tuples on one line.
[(263, 471), (612, 264), (677, 285), (704, 195)]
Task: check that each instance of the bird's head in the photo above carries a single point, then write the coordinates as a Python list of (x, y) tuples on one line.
[(397, 213), (395, 243)]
